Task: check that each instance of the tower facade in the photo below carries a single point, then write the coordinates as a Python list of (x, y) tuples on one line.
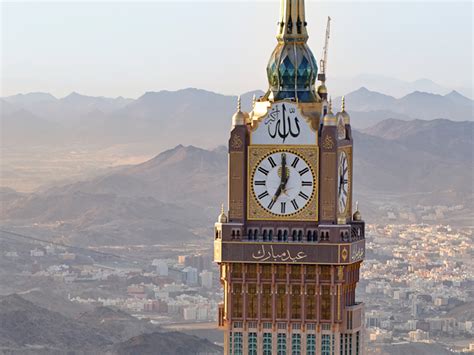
[(290, 247)]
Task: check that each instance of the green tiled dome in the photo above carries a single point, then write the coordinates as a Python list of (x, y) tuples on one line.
[(292, 71)]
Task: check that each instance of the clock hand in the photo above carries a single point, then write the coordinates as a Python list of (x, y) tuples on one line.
[(277, 193), (284, 176)]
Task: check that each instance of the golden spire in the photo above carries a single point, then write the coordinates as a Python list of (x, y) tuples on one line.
[(222, 217), (357, 215), (254, 99), (292, 24), (343, 104), (238, 119), (330, 105)]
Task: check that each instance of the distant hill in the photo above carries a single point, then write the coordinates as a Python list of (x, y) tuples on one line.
[(390, 86), (44, 329), (444, 138), (102, 330), (416, 105), (191, 116), (179, 191)]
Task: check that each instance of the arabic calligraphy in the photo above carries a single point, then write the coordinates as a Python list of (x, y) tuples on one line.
[(265, 254), (357, 253), (282, 125)]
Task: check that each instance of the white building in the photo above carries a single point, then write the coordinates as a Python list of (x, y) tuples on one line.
[(36, 252), (206, 279)]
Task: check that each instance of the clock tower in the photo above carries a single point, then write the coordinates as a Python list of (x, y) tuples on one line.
[(290, 247)]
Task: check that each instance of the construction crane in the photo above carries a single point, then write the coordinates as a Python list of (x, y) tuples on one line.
[(324, 58)]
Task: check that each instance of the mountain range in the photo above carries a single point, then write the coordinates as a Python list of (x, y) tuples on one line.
[(194, 116), (179, 191), (391, 86)]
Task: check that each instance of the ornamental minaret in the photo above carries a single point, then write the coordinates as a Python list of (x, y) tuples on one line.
[(289, 248)]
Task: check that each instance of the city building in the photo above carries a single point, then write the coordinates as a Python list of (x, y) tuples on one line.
[(289, 247)]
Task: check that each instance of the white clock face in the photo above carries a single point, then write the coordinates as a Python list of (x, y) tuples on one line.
[(280, 193), (343, 181)]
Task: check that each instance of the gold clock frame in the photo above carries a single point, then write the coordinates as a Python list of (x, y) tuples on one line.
[(256, 153), (347, 212)]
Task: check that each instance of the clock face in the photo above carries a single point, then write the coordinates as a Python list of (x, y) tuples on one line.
[(343, 181), (283, 183)]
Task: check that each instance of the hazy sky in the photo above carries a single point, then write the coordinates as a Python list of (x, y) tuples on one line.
[(127, 48)]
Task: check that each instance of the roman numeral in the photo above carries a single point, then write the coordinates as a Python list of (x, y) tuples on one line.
[(262, 195), (270, 205), (262, 170), (295, 205), (295, 162), (307, 183), (260, 183), (304, 171), (272, 162), (283, 207), (303, 195)]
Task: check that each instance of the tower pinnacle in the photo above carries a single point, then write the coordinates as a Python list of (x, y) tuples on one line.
[(292, 24), (292, 68)]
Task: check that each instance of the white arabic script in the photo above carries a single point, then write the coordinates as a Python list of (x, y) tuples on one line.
[(265, 254)]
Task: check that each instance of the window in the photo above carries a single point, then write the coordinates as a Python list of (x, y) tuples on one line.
[(267, 301), (300, 235), (281, 344), (270, 235), (357, 343), (311, 326), (325, 303), (237, 301), (252, 343), (267, 325), (296, 344), (230, 343), (311, 302), (267, 272), (295, 302), (236, 272), (238, 346), (285, 235), (311, 344), (252, 301), (281, 272), (325, 273), (310, 272), (267, 343), (325, 344), (295, 272), (281, 301), (251, 271)]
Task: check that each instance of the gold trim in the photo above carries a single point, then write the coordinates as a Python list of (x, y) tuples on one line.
[(256, 153)]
